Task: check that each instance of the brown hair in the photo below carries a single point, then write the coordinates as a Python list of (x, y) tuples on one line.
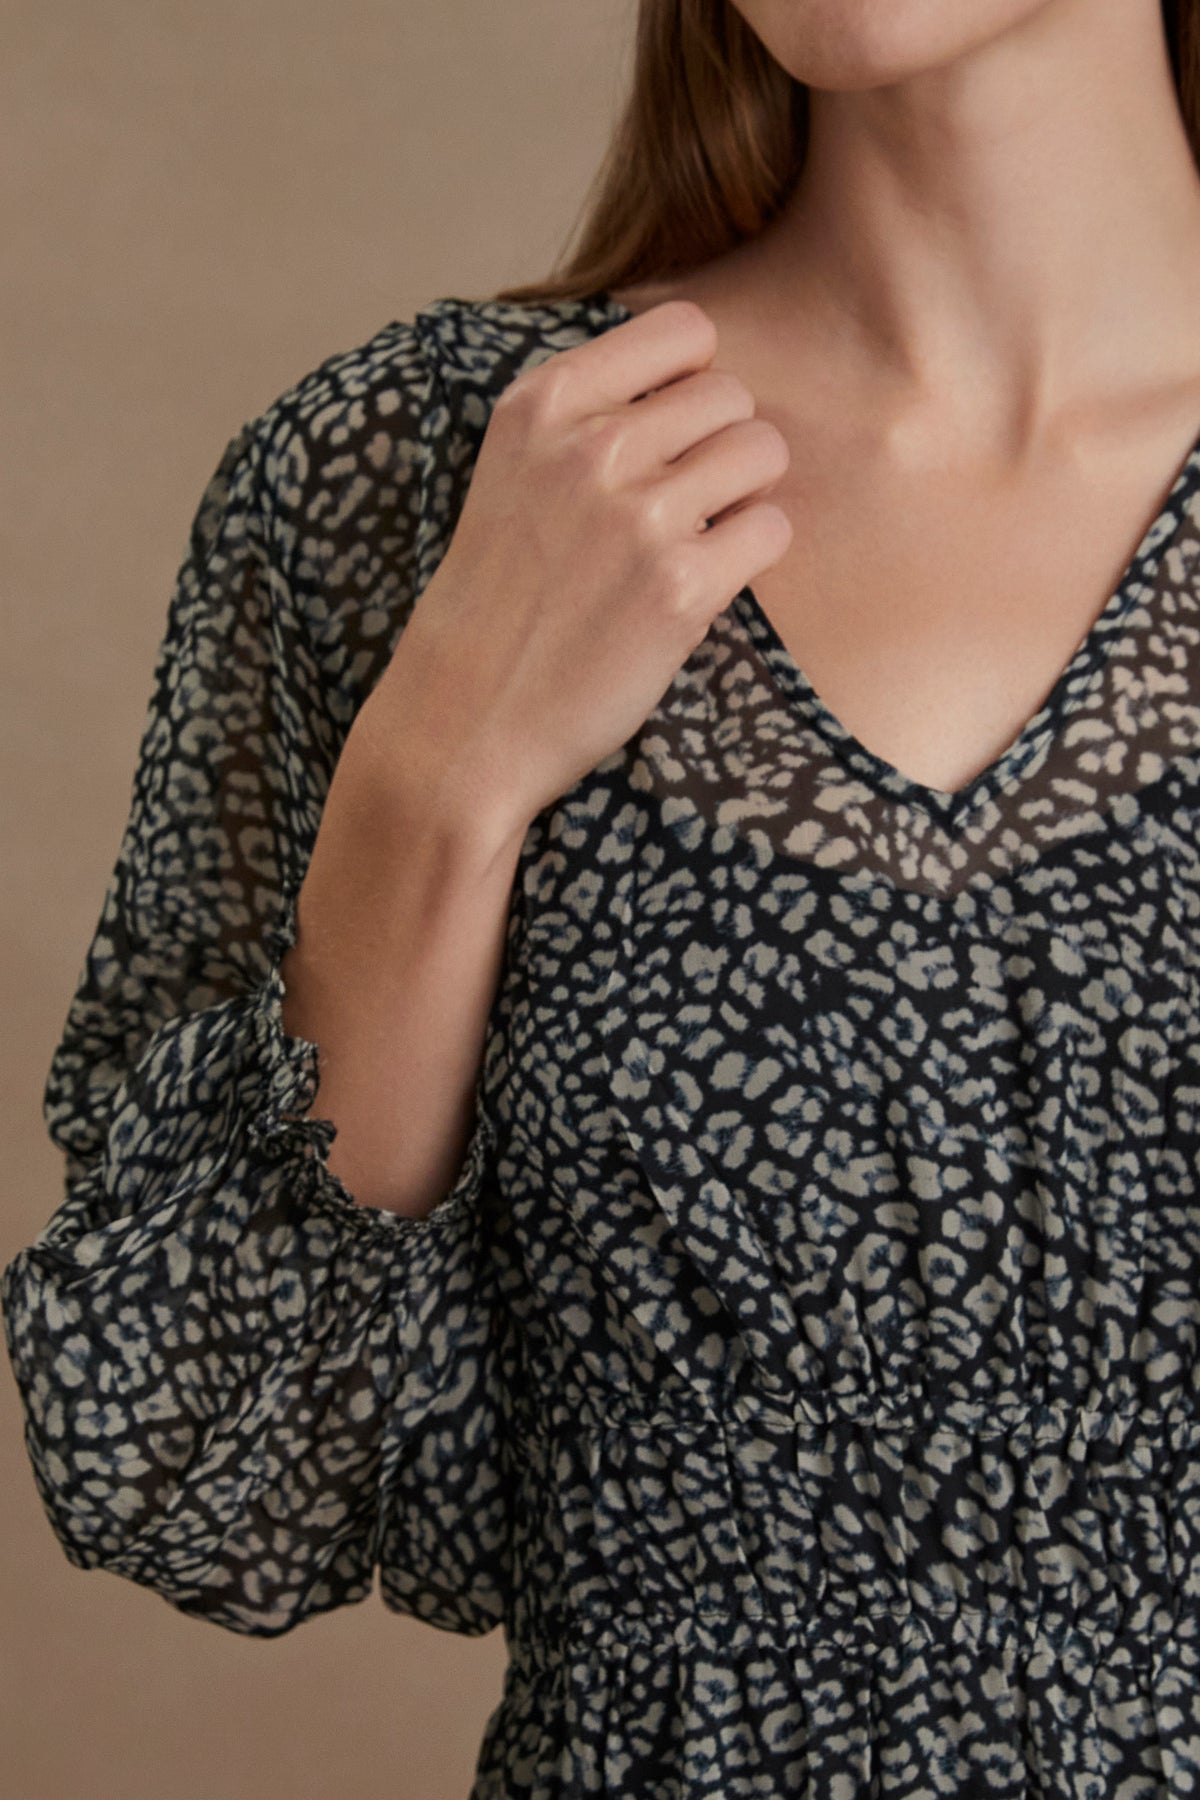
[(710, 142)]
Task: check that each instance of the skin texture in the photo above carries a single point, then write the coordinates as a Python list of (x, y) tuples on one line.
[(976, 324)]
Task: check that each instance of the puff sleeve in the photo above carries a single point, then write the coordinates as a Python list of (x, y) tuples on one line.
[(239, 1384)]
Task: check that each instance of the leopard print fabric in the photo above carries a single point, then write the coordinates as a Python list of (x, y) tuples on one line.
[(802, 1367)]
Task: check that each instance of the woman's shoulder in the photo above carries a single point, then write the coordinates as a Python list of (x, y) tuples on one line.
[(483, 343), (417, 379), (452, 336)]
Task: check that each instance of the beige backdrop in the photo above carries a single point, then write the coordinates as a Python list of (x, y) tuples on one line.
[(200, 203)]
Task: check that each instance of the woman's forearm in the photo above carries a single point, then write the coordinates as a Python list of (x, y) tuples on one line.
[(400, 937)]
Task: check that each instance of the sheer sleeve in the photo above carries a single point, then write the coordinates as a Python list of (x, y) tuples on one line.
[(235, 1378)]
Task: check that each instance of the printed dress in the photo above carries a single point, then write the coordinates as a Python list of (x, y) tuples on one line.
[(802, 1367)]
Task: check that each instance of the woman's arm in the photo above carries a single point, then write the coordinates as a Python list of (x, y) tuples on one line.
[(402, 926), (227, 1366)]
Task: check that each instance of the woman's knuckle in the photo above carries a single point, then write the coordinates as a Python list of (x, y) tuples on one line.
[(602, 447), (676, 578), (514, 394), (512, 412), (652, 516), (553, 384), (534, 395)]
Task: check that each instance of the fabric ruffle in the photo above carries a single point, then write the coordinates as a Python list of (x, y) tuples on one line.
[(225, 1388), (284, 1074)]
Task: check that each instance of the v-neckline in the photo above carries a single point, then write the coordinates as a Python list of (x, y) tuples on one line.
[(1070, 687)]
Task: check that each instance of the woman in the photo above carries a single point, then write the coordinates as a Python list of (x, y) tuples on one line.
[(719, 783)]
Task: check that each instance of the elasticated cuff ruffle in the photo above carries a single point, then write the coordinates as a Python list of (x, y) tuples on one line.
[(284, 1069)]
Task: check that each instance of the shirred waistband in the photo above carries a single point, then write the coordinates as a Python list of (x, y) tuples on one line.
[(770, 1521), (539, 1404), (595, 1638)]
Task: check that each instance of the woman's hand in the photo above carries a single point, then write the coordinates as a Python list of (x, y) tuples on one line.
[(581, 574)]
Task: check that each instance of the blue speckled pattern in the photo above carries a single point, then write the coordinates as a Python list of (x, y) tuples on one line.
[(803, 1365)]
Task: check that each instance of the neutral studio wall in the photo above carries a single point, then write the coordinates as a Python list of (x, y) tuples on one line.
[(199, 204)]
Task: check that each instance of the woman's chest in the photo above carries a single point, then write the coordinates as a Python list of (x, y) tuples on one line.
[(933, 613), (943, 568)]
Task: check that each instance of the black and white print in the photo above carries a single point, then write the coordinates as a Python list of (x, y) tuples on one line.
[(803, 1368)]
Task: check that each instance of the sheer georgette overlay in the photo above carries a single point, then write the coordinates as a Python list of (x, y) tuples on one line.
[(803, 1366)]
